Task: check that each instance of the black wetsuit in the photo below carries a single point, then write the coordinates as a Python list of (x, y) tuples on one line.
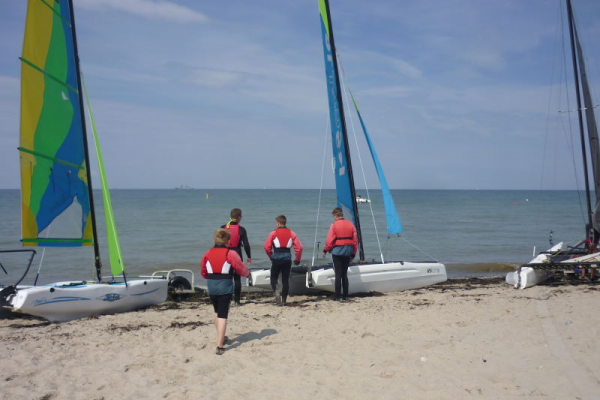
[(237, 292), (340, 266)]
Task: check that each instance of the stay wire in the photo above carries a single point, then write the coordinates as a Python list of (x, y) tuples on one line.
[(42, 257), (568, 131), (320, 191), (418, 248)]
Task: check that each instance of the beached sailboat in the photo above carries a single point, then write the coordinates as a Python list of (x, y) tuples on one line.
[(559, 258), (362, 276), (56, 185)]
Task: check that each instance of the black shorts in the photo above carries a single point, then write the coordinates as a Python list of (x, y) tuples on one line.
[(220, 303)]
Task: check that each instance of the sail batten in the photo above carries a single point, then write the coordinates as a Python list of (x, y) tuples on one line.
[(32, 65), (38, 154)]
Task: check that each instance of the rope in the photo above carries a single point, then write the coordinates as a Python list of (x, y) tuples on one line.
[(320, 192), (359, 157), (416, 247)]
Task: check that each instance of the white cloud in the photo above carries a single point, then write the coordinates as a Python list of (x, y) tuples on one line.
[(485, 58), (407, 69), (213, 78), (148, 8)]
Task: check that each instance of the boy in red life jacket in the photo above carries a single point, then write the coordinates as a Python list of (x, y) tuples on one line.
[(278, 247), (239, 238), (342, 242), (217, 267)]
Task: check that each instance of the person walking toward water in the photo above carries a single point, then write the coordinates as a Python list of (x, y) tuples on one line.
[(278, 247), (239, 238), (217, 267), (342, 242)]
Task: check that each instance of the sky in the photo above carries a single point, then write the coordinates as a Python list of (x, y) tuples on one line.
[(456, 94)]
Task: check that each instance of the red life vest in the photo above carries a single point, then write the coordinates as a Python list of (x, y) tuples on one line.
[(282, 243), (217, 265), (344, 232), (234, 230)]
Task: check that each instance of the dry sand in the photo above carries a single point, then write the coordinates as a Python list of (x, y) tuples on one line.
[(459, 340)]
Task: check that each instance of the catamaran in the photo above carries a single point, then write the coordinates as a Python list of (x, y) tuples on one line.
[(362, 276), (56, 184), (560, 258)]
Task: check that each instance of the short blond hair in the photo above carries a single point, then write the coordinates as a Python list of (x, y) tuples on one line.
[(221, 237)]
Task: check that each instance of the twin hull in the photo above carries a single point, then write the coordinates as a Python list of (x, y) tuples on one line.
[(526, 277), (66, 301), (388, 277)]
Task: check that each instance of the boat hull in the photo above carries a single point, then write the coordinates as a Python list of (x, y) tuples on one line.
[(526, 277), (65, 301), (262, 279), (388, 277)]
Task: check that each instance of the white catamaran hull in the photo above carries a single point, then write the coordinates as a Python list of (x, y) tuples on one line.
[(65, 301), (388, 277), (526, 277), (262, 279)]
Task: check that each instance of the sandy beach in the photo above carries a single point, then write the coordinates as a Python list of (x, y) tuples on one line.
[(459, 340)]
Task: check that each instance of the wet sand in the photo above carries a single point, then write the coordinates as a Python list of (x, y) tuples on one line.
[(463, 339)]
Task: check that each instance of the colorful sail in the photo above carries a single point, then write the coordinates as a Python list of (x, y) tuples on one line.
[(592, 129), (346, 199), (394, 225), (53, 172)]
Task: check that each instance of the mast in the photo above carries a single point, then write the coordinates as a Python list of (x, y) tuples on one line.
[(97, 262), (344, 133), (579, 115)]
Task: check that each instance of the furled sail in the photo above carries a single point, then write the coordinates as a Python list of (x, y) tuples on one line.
[(53, 172), (342, 170), (394, 225), (592, 129)]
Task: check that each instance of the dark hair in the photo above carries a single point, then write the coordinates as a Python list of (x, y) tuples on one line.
[(281, 219), (337, 212), (236, 213)]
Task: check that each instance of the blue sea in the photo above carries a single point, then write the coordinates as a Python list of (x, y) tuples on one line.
[(473, 232)]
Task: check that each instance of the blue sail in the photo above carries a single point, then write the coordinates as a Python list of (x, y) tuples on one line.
[(393, 220), (345, 199)]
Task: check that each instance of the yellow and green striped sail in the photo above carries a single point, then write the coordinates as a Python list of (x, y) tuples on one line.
[(53, 168)]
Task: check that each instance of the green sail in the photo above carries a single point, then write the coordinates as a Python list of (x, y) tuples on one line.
[(112, 238)]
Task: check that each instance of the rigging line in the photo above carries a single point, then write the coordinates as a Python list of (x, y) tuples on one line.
[(416, 247), (42, 258), (344, 84), (588, 57), (554, 72), (568, 132), (320, 190)]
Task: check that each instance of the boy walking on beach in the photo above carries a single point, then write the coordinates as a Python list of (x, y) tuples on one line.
[(278, 247), (217, 267), (342, 242), (239, 238)]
